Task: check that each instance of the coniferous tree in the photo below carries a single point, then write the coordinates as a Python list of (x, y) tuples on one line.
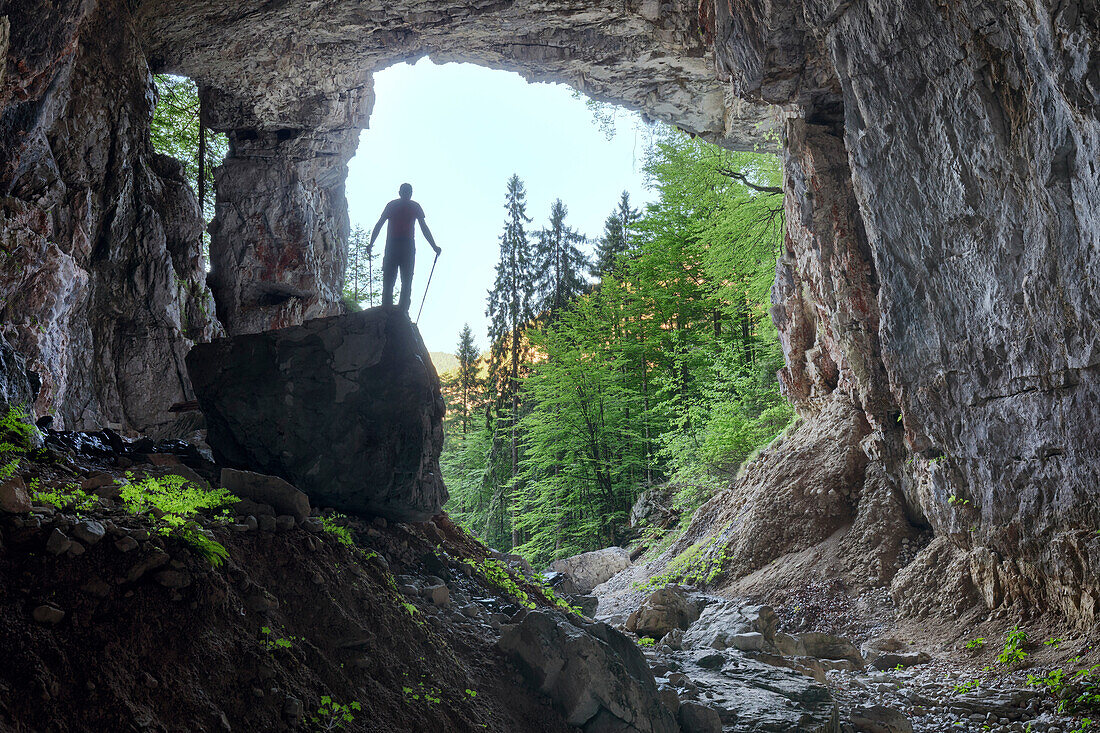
[(560, 262), (468, 356), (616, 236), (510, 308), (356, 274)]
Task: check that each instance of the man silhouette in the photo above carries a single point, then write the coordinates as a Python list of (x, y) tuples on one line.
[(400, 246)]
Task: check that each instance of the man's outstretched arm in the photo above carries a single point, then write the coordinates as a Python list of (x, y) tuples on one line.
[(377, 228), (428, 235)]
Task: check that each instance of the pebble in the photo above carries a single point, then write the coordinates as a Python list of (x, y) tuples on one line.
[(126, 544), (267, 523), (312, 524), (284, 522), (89, 531), (58, 542), (47, 614)]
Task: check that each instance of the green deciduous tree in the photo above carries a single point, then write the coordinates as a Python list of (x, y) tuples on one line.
[(665, 372), (176, 130)]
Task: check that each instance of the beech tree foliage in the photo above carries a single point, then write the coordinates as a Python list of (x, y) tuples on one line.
[(663, 372), (176, 131)]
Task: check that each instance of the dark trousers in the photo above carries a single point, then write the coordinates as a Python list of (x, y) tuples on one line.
[(400, 254)]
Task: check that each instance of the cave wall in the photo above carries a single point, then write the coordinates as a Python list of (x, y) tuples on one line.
[(970, 138), (101, 274), (939, 266)]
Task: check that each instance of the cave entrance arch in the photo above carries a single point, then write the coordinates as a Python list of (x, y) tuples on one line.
[(293, 90)]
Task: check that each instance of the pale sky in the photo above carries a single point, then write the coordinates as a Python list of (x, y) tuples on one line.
[(456, 132)]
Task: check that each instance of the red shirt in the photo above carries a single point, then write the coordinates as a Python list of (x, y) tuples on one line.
[(401, 213)]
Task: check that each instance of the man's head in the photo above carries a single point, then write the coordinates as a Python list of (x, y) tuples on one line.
[(406, 191)]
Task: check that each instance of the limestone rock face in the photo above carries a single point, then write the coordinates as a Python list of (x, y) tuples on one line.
[(941, 249), (938, 273), (347, 409), (595, 674), (101, 279), (589, 569)]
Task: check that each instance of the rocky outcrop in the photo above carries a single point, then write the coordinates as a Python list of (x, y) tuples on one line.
[(596, 676), (348, 409), (941, 212), (940, 256), (101, 274), (666, 609), (589, 569)]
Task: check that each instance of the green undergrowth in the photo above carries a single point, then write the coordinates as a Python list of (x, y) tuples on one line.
[(172, 502), (68, 497), (17, 439), (331, 524), (497, 574), (1076, 691), (699, 564), (332, 715)]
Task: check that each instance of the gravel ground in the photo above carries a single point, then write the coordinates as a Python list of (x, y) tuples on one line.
[(927, 695)]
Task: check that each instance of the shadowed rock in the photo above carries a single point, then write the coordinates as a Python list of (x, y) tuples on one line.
[(348, 409)]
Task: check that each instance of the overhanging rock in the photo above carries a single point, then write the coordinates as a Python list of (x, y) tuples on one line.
[(347, 408)]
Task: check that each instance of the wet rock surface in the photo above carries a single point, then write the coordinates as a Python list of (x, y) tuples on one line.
[(347, 409)]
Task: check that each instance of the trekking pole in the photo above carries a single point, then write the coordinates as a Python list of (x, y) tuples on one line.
[(425, 298)]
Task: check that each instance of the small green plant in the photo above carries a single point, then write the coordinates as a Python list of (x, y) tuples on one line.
[(968, 686), (17, 437), (430, 695), (1013, 650), (273, 642), (331, 715), (976, 643), (548, 592), (1052, 642), (471, 693), (171, 501), (1076, 692), (337, 530), (69, 496), (646, 641), (496, 574), (957, 500)]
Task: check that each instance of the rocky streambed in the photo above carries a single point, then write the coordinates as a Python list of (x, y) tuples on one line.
[(729, 666)]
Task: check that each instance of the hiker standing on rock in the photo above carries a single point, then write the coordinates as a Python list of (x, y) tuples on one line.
[(400, 246)]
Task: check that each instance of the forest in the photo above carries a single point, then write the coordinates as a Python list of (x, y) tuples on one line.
[(643, 358), (639, 359)]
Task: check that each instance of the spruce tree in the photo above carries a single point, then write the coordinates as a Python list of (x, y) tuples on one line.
[(560, 262), (616, 236), (510, 303), (468, 355), (356, 287)]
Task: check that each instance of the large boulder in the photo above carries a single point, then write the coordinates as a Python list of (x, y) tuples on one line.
[(593, 673), (667, 608), (730, 623), (589, 569), (348, 409)]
